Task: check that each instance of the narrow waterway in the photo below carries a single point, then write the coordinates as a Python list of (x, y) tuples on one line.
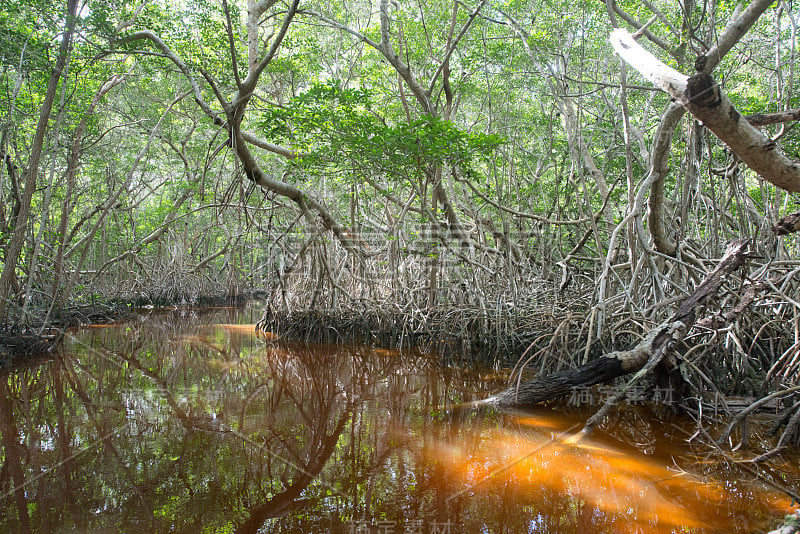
[(188, 422)]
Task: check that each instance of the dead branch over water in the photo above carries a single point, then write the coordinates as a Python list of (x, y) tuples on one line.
[(643, 358)]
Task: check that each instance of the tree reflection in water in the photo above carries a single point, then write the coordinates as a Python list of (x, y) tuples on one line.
[(189, 423)]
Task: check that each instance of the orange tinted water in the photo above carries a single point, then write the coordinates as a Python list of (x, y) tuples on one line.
[(191, 422)]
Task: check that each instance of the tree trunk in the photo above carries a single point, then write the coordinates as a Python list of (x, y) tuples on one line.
[(21, 224), (703, 98)]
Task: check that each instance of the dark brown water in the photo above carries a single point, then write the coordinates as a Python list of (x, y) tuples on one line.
[(188, 422)]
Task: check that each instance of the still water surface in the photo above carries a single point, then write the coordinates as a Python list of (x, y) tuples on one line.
[(189, 422)]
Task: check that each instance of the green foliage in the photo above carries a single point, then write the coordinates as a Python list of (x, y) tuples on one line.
[(333, 127), (27, 30)]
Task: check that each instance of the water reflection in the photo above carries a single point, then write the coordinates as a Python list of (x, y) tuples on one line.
[(190, 423)]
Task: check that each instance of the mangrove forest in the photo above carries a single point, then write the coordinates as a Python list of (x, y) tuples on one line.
[(399, 266)]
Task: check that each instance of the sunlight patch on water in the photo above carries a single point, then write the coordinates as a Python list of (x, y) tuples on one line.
[(644, 493), (241, 329)]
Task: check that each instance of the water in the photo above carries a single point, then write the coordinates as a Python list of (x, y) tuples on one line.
[(189, 422)]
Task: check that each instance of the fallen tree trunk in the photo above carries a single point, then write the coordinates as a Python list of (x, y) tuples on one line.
[(649, 352)]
